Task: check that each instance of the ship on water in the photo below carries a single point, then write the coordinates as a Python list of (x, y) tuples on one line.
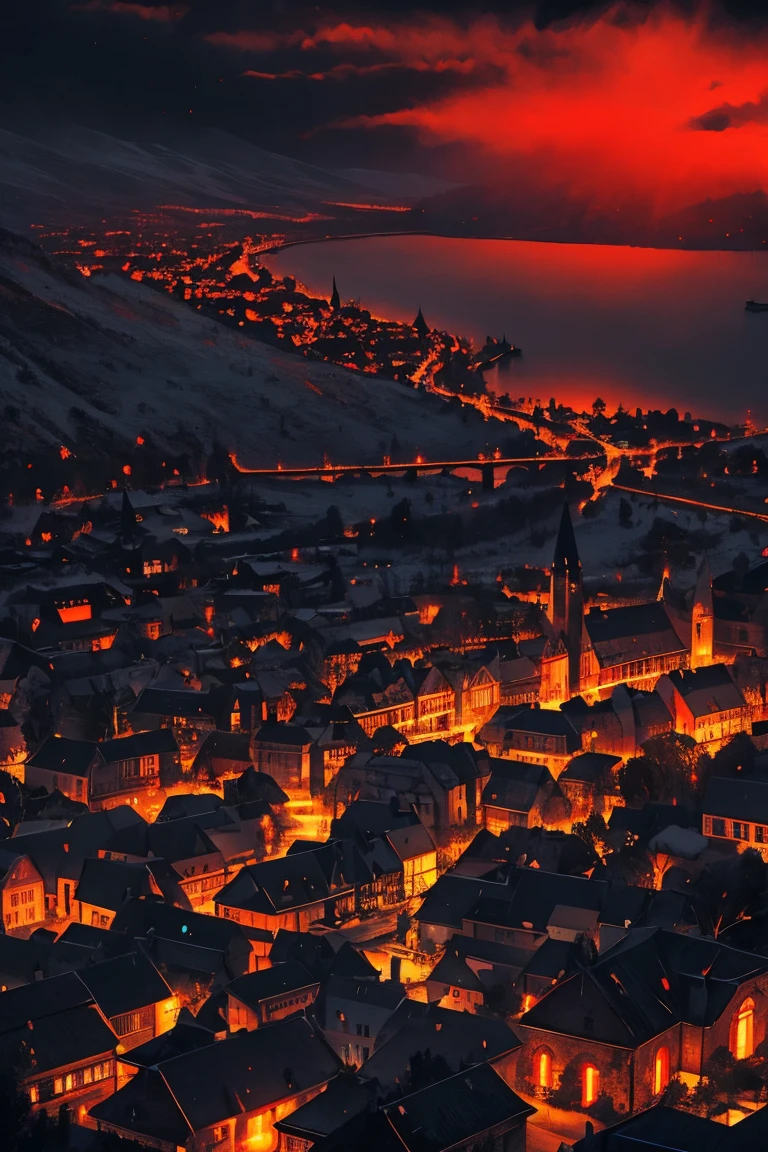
[(755, 306)]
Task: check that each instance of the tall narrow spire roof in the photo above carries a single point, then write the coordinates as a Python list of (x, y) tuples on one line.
[(335, 298), (566, 552), (420, 325)]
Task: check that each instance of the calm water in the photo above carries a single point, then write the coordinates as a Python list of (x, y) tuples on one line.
[(636, 325)]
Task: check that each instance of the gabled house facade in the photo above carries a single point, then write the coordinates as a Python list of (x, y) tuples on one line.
[(227, 1095), (737, 810), (271, 994), (292, 892), (656, 1004), (22, 891), (56, 1034), (706, 703), (63, 765), (129, 765)]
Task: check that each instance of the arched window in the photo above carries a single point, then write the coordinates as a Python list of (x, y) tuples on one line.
[(743, 1031), (590, 1085), (544, 1069), (661, 1071)]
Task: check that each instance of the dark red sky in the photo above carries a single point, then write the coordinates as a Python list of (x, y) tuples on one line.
[(643, 99)]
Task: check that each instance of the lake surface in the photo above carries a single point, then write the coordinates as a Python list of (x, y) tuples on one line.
[(640, 326)]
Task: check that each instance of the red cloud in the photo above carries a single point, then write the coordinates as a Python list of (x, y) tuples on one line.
[(360, 36), (348, 71), (606, 106), (600, 106), (292, 75)]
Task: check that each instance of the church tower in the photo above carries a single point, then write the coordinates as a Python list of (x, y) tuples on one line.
[(703, 619), (335, 298), (420, 326), (566, 596)]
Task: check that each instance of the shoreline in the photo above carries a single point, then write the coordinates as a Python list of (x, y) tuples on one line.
[(275, 249)]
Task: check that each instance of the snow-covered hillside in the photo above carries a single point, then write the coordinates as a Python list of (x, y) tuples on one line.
[(79, 174), (134, 360)]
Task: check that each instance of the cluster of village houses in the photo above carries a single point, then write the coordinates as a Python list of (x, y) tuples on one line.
[(288, 859)]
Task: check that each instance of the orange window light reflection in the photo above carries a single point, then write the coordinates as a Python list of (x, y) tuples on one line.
[(70, 613), (590, 1085)]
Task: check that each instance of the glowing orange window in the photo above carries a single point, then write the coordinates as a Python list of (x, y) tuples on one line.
[(544, 1070), (68, 614), (590, 1085), (260, 1135), (743, 1028), (661, 1070)]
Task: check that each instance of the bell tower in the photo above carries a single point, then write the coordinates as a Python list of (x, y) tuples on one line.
[(566, 596), (703, 619)]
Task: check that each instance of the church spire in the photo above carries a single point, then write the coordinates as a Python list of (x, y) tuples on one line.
[(420, 326), (127, 517), (566, 596), (335, 298), (566, 557)]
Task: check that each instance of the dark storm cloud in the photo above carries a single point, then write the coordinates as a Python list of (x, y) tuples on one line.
[(733, 116), (265, 71)]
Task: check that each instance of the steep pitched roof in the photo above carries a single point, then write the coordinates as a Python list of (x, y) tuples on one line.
[(566, 556), (176, 702), (255, 987), (452, 970), (631, 632), (247, 1072), (381, 993), (372, 818), (533, 896), (139, 744), (186, 1035), (649, 981), (58, 1018), (461, 1038), (410, 842), (233, 746), (588, 767), (58, 754), (275, 886), (277, 732), (669, 1130), (109, 883), (41, 999), (125, 983), (515, 786), (449, 900), (153, 917), (742, 799), (344, 1097), (454, 1111), (707, 690)]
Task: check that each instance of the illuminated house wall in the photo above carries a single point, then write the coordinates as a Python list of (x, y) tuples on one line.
[(227, 1095), (586, 1021), (22, 894)]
